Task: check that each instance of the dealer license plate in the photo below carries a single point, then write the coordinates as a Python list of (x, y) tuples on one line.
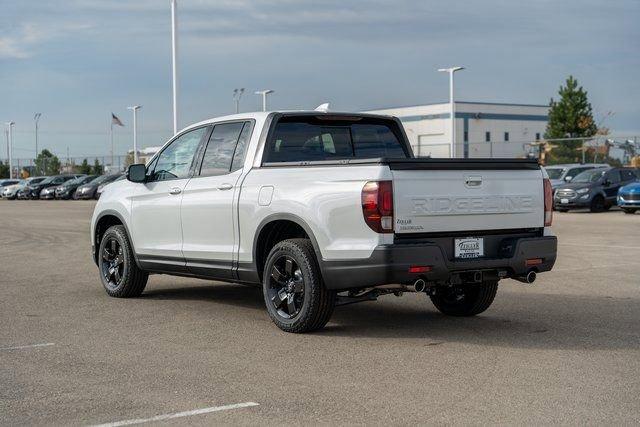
[(469, 247)]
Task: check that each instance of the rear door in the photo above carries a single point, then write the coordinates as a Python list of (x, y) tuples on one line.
[(613, 181), (210, 230), (449, 200)]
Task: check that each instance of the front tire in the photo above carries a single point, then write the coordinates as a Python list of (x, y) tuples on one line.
[(119, 273), (629, 211), (597, 204), (297, 300), (465, 300)]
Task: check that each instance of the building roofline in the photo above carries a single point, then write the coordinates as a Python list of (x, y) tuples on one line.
[(510, 104)]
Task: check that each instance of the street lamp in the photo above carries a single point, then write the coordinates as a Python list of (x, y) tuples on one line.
[(237, 94), (264, 94), (36, 119), (135, 109), (10, 148), (174, 58), (452, 108)]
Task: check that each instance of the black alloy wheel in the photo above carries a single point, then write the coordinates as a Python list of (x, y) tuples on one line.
[(113, 264), (286, 287), (294, 293), (120, 275)]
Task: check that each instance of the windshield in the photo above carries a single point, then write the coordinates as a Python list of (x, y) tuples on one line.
[(79, 181), (47, 180), (554, 173), (31, 181), (102, 179), (592, 175)]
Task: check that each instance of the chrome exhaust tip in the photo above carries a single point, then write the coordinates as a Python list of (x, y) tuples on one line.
[(529, 278), (419, 285)]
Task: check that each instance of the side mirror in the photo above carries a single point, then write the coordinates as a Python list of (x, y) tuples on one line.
[(568, 178), (137, 173), (606, 183)]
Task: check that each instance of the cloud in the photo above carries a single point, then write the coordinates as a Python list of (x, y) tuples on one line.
[(31, 35)]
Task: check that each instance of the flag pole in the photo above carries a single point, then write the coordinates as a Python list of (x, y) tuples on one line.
[(111, 133)]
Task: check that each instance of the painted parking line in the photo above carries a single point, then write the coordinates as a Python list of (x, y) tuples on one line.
[(179, 414), (20, 347)]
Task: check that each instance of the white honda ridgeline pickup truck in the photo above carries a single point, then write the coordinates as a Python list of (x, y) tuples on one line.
[(323, 209)]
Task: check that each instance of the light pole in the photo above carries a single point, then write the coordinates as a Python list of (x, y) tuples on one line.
[(174, 58), (36, 119), (135, 109), (264, 94), (452, 107), (237, 94), (10, 145)]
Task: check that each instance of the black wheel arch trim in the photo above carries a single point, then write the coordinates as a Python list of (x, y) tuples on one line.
[(112, 212), (284, 217)]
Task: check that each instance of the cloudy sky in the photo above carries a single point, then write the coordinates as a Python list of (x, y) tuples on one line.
[(78, 60)]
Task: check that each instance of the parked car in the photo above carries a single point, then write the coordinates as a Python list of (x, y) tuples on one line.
[(629, 197), (52, 181), (11, 192), (67, 190), (561, 174), (88, 190), (309, 205), (7, 183), (102, 186), (595, 189)]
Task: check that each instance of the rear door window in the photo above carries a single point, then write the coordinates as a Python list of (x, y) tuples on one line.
[(627, 175), (309, 138), (222, 144), (614, 176)]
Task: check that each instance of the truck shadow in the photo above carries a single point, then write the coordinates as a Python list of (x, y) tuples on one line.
[(517, 320)]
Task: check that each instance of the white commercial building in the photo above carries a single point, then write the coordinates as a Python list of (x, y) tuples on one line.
[(483, 129)]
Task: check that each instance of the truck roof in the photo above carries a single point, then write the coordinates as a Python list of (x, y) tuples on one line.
[(262, 115)]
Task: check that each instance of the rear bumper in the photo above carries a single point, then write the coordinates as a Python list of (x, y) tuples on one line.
[(389, 264)]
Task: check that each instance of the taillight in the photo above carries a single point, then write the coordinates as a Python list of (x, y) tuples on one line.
[(377, 206), (548, 203)]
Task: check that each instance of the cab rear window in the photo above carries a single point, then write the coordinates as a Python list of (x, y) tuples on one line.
[(310, 138)]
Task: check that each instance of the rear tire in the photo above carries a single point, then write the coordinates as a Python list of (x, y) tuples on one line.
[(295, 296), (119, 273), (465, 300), (597, 204)]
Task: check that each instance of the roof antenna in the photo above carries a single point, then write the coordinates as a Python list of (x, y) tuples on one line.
[(324, 108)]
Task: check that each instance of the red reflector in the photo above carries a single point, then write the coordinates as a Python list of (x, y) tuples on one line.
[(548, 202), (419, 269), (533, 261)]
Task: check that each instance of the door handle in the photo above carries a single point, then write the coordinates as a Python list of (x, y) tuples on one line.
[(175, 190), (225, 187)]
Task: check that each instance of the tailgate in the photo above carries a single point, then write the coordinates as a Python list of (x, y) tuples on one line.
[(431, 200)]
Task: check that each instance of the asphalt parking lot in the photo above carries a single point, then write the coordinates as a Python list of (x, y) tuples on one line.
[(564, 350)]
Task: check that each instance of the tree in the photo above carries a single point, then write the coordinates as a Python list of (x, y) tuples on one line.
[(570, 117), (97, 168), (47, 163), (4, 170), (85, 168)]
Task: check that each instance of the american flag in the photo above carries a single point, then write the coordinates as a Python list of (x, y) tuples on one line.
[(115, 120)]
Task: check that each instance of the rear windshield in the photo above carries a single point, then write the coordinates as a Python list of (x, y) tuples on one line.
[(310, 138), (554, 173)]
